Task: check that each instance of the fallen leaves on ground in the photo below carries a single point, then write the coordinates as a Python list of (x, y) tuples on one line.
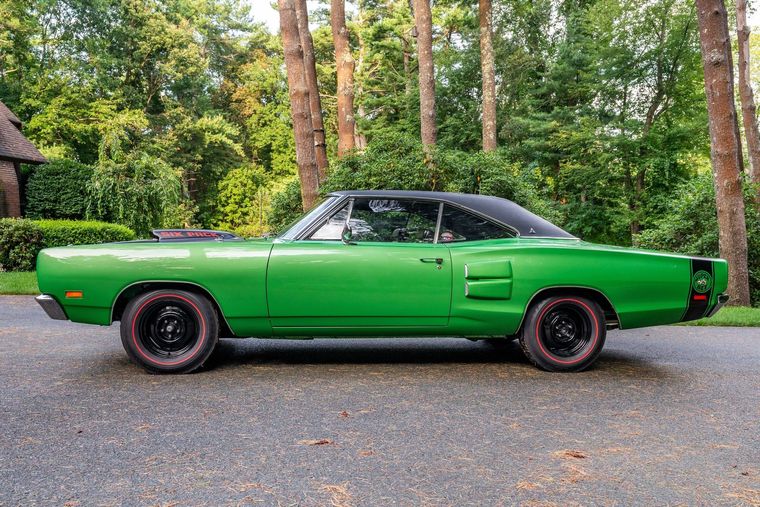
[(574, 474), (570, 454), (320, 441), (747, 496), (339, 495), (244, 488)]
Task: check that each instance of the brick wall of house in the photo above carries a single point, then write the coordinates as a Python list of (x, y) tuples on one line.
[(10, 198)]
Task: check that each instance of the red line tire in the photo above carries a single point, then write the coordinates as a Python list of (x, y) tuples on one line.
[(169, 331), (563, 333)]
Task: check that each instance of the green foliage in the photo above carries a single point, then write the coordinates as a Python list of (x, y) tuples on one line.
[(286, 207), (398, 162), (129, 186), (243, 200), (136, 193), (79, 232), (58, 190), (690, 226), (20, 241)]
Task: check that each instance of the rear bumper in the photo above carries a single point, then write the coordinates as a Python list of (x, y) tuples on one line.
[(722, 300), (51, 307)]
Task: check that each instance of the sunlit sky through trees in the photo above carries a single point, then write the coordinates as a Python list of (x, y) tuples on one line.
[(263, 11)]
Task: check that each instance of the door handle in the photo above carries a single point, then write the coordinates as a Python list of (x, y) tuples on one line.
[(437, 260)]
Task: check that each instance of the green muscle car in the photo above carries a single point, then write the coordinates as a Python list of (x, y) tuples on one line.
[(378, 263)]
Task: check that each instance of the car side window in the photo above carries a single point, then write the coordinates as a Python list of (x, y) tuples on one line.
[(393, 220), (459, 225), (332, 228)]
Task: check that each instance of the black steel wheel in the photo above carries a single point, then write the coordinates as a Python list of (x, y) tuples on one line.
[(563, 333), (169, 331)]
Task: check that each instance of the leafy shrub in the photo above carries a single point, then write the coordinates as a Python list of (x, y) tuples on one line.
[(58, 190), (131, 185), (20, 241), (251, 231), (136, 193), (72, 232), (690, 227), (286, 207), (243, 199)]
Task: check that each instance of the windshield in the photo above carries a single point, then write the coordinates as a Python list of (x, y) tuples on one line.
[(295, 228)]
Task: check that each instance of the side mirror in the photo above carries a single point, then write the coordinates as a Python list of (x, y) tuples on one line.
[(347, 235)]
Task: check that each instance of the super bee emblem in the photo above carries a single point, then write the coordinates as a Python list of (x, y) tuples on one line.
[(702, 281)]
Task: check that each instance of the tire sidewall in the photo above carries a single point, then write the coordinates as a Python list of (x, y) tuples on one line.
[(536, 351), (208, 335)]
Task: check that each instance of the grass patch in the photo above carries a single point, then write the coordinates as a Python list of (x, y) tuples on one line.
[(734, 316), (22, 282)]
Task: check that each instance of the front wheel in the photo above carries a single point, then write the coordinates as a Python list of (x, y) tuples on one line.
[(563, 333), (169, 331)]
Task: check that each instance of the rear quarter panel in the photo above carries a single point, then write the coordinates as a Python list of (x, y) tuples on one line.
[(645, 288)]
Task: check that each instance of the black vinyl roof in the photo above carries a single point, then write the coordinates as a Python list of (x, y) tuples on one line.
[(501, 210)]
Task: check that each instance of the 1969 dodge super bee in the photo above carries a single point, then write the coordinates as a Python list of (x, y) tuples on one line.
[(378, 263)]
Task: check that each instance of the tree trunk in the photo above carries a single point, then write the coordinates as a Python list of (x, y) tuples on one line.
[(749, 116), (424, 22), (344, 63), (489, 76), (360, 140), (315, 104), (299, 103), (725, 145)]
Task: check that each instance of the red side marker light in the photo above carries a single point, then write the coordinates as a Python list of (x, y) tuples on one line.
[(74, 294), (699, 297)]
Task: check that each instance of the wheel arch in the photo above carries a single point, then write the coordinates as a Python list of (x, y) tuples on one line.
[(596, 295), (135, 289)]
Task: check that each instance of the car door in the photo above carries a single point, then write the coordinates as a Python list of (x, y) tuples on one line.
[(392, 273)]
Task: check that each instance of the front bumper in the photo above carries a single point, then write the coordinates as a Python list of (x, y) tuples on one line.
[(722, 300), (51, 307)]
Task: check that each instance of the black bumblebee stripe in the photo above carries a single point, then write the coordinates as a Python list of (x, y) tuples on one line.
[(697, 308)]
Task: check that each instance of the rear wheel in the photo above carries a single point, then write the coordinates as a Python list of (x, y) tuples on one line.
[(563, 333), (169, 331)]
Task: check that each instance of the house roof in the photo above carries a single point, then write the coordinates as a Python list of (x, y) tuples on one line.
[(501, 210), (4, 111), (13, 145)]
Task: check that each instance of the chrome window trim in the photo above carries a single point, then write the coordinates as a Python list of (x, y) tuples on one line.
[(484, 217), (316, 223), (309, 230), (350, 210), (438, 222)]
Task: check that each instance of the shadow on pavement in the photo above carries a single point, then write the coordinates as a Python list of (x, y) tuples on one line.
[(389, 351)]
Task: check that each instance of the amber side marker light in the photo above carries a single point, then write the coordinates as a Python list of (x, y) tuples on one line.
[(74, 294)]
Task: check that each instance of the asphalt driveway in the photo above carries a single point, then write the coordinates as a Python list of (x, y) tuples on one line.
[(668, 415)]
